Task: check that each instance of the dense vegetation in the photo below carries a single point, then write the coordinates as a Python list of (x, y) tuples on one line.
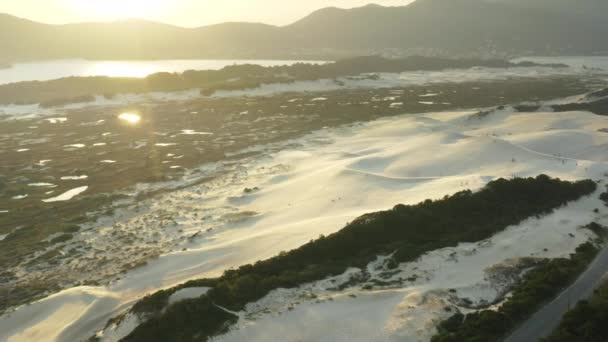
[(539, 285), (599, 107), (405, 231), (597, 103), (587, 322), (604, 198), (82, 89)]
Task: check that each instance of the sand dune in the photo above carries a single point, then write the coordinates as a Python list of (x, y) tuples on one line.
[(359, 169)]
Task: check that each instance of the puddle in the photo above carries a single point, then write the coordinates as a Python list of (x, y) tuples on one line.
[(193, 132), (96, 123), (57, 120), (76, 145), (165, 144), (74, 177), (18, 197), (68, 195), (42, 185)]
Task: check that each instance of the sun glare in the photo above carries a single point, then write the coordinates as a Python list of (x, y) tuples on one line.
[(131, 118), (121, 69), (119, 9)]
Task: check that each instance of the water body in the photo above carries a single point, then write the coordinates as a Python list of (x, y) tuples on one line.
[(66, 196), (53, 69)]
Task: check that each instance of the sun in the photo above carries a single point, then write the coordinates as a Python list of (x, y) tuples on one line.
[(119, 9)]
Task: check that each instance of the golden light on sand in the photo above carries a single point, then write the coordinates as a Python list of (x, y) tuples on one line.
[(120, 9), (131, 118)]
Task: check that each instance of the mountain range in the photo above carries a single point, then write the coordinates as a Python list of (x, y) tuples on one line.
[(424, 27)]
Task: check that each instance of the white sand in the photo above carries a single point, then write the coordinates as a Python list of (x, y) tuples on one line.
[(337, 175)]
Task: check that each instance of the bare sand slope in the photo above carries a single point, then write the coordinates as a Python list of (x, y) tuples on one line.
[(335, 176)]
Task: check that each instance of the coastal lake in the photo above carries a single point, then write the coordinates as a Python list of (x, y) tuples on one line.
[(53, 69)]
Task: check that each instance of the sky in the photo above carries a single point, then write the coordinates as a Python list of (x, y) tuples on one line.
[(189, 13)]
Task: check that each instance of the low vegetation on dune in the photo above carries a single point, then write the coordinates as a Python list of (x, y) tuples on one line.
[(539, 285), (236, 77), (405, 232)]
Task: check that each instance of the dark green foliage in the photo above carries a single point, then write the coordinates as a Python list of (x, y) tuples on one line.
[(587, 322), (452, 324), (157, 301), (604, 197), (539, 285), (408, 230), (598, 229), (67, 100), (189, 320), (599, 107), (62, 238)]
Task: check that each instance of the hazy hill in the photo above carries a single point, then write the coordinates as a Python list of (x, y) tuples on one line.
[(465, 27), (457, 26), (596, 8)]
